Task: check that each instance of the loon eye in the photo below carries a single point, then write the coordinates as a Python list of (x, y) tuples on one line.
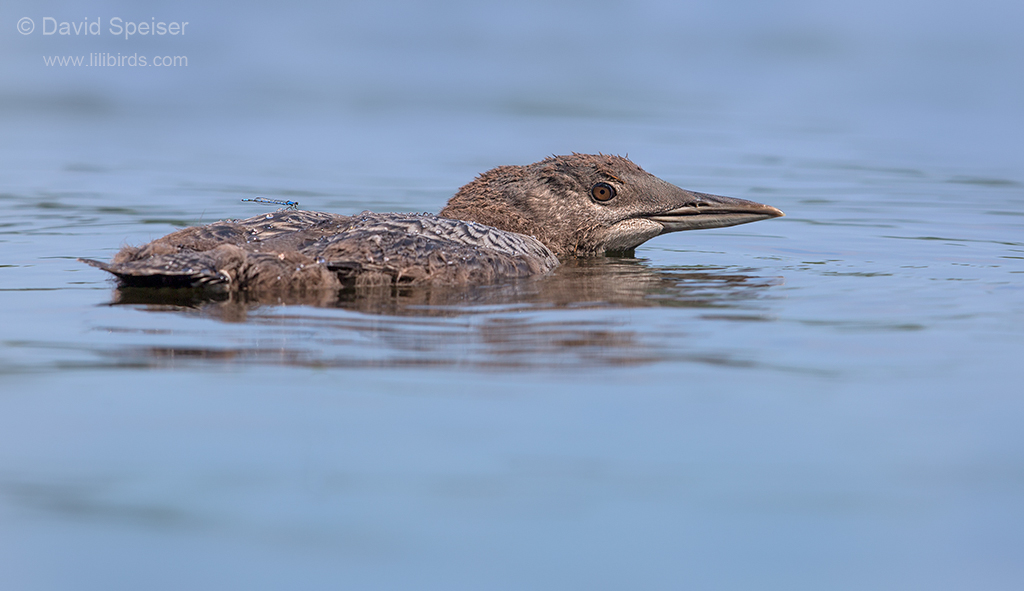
[(602, 192)]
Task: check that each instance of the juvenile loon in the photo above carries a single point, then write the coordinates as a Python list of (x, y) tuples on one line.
[(512, 221)]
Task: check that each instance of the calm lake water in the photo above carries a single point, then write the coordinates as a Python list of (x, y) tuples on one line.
[(830, 400)]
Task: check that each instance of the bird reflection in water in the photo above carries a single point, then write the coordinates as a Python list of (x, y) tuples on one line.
[(550, 321)]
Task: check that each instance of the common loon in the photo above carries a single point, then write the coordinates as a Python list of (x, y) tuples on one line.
[(512, 221)]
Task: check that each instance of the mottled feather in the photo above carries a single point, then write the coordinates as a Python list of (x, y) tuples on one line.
[(306, 249)]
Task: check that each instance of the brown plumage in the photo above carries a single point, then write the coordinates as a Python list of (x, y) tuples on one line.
[(512, 221)]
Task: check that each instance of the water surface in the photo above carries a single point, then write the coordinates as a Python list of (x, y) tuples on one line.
[(825, 400)]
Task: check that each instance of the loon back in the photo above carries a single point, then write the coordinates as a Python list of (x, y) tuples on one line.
[(301, 250)]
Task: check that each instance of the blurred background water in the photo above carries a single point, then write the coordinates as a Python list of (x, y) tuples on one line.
[(827, 400)]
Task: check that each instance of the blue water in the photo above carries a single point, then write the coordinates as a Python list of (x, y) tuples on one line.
[(829, 400)]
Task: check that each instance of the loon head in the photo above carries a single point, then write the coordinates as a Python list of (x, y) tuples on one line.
[(585, 204)]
